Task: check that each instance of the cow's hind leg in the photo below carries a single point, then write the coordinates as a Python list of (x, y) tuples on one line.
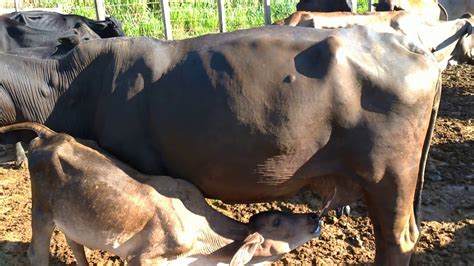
[(78, 251), (390, 204), (42, 227)]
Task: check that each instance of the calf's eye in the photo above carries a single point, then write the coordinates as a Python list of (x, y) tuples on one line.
[(276, 222)]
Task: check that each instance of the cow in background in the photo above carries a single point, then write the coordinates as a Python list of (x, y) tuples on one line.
[(428, 8), (52, 21), (327, 5), (457, 8), (449, 41), (15, 35)]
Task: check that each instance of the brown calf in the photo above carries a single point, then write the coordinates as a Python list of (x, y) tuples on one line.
[(96, 201)]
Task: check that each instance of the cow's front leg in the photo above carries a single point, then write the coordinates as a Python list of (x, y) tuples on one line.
[(391, 208)]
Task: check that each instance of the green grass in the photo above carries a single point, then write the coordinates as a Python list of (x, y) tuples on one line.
[(188, 17)]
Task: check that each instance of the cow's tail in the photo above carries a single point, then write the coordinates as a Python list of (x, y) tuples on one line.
[(41, 130), (441, 7), (424, 154)]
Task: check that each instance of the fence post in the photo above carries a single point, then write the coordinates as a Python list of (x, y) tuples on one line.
[(371, 7), (17, 5), (221, 10), (354, 6), (165, 11), (267, 12), (99, 9)]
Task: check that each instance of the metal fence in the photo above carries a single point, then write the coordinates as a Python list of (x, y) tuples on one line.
[(171, 18)]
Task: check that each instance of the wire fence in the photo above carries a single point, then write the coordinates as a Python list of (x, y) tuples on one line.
[(188, 18)]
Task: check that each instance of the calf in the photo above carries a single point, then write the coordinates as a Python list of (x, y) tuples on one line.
[(97, 201)]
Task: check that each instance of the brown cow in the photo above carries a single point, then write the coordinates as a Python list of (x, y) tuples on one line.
[(95, 201), (254, 115)]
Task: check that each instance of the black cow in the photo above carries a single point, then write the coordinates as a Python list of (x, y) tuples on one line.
[(253, 115), (326, 5), (15, 35), (52, 21)]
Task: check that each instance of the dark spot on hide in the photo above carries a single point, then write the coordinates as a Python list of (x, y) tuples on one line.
[(316, 61), (220, 64), (289, 79)]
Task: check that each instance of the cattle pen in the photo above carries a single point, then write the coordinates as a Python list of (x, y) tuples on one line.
[(174, 19), (447, 235)]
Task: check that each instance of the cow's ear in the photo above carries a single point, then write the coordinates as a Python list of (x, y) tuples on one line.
[(247, 250)]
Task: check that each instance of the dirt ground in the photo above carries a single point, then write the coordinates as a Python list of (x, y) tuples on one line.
[(448, 202)]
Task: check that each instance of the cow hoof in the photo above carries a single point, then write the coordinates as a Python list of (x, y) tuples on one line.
[(346, 210)]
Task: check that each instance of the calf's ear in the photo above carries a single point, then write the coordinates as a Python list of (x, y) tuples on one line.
[(247, 250)]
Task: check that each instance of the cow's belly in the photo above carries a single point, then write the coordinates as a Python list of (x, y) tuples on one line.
[(248, 189), (250, 176)]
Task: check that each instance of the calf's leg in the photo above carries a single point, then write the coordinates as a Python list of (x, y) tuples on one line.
[(42, 227)]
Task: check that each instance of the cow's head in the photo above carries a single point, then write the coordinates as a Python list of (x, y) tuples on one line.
[(108, 28), (464, 51), (459, 47)]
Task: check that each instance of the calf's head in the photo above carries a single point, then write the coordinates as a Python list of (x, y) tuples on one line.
[(275, 233)]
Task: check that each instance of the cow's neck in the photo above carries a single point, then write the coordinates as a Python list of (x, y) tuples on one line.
[(218, 245), (27, 84), (216, 249)]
